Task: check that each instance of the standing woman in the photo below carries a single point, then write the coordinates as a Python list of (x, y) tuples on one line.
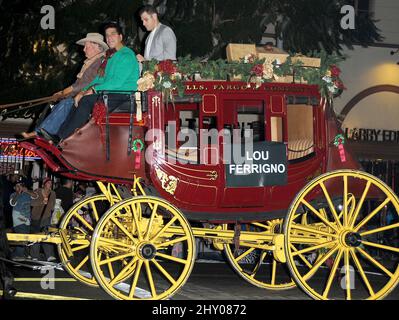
[(41, 216)]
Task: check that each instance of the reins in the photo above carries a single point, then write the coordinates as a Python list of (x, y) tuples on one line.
[(32, 103)]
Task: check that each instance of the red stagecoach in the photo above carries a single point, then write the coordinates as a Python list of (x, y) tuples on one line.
[(297, 209)]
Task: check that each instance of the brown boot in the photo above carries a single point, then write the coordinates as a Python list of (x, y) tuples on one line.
[(29, 135)]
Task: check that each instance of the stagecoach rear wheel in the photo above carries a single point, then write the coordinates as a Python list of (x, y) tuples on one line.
[(344, 247), (79, 222), (259, 267), (143, 248)]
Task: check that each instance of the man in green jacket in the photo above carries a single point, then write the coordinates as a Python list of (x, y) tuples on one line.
[(118, 72)]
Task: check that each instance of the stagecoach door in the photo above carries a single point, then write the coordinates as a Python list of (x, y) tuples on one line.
[(243, 119)]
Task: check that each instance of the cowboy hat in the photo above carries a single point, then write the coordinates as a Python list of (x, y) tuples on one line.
[(94, 37)]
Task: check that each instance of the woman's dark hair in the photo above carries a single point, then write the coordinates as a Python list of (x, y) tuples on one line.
[(113, 24), (149, 9)]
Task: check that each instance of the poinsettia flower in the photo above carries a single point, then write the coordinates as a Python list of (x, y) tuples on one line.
[(257, 70), (339, 84), (335, 71), (167, 66)]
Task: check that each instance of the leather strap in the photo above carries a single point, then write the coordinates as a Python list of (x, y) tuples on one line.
[(107, 136), (130, 139)]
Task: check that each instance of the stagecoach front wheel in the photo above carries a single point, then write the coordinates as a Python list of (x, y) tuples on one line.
[(79, 223), (259, 267), (341, 237), (143, 248)]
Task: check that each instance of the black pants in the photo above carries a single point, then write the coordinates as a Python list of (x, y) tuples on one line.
[(6, 278), (36, 227), (80, 115)]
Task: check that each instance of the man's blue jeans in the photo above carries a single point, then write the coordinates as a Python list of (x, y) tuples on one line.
[(56, 118), (19, 250)]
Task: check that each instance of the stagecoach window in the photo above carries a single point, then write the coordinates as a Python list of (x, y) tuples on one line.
[(251, 117), (300, 125), (276, 127)]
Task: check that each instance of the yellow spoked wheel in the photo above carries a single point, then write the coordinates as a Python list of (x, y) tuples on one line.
[(143, 249), (258, 266), (341, 245), (79, 223)]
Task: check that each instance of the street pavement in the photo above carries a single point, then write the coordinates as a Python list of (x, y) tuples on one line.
[(209, 280)]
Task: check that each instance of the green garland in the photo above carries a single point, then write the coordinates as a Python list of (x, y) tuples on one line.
[(170, 77)]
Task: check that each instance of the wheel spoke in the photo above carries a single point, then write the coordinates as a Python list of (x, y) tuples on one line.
[(136, 220), (128, 268), (120, 257), (314, 268), (110, 243), (345, 201), (245, 253), (313, 230), (301, 256), (172, 242), (110, 269), (150, 278), (84, 246), (347, 275), (160, 232), (372, 214), (325, 221), (332, 274), (135, 279), (389, 227), (257, 266), (168, 257), (375, 262), (95, 212), (82, 263), (164, 272), (352, 220), (330, 204), (149, 228), (322, 245), (381, 246), (123, 229), (362, 273), (80, 218), (274, 269)]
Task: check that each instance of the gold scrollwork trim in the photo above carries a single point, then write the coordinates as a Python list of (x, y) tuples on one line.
[(168, 183)]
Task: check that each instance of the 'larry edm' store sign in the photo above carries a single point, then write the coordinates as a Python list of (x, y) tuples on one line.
[(264, 165)]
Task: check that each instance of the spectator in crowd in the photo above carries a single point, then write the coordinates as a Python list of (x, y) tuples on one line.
[(6, 277), (41, 218), (8, 188), (65, 193), (20, 200)]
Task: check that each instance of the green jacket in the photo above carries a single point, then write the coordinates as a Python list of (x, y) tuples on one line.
[(121, 73)]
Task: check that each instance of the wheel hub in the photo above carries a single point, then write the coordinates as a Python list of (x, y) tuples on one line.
[(148, 251), (353, 239)]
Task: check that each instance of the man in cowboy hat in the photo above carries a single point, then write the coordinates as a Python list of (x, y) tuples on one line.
[(94, 49)]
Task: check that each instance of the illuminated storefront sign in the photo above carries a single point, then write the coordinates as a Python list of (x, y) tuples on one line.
[(372, 135), (11, 150)]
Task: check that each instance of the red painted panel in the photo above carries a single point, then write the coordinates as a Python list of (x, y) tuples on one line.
[(209, 104), (243, 197), (277, 104)]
